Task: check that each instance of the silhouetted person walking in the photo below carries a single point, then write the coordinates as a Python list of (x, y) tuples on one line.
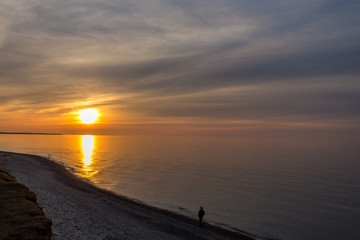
[(201, 215)]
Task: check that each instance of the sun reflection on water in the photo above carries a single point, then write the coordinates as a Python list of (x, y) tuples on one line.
[(88, 145)]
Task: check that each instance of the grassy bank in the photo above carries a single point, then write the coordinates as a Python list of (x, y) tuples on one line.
[(20, 215)]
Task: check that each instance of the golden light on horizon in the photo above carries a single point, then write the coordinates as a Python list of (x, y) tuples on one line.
[(88, 116)]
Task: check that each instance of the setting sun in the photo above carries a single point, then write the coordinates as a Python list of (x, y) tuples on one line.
[(88, 116)]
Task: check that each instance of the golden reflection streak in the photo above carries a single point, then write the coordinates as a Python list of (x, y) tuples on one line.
[(88, 144)]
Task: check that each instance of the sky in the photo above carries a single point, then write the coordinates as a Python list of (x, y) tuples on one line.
[(180, 66)]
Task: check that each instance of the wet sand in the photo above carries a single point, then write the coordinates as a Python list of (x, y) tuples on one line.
[(80, 210)]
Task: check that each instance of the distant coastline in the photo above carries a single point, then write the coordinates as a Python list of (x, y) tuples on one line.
[(30, 133)]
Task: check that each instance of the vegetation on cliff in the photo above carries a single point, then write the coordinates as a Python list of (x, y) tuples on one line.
[(20, 215)]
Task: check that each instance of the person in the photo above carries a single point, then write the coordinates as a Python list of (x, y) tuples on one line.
[(201, 215)]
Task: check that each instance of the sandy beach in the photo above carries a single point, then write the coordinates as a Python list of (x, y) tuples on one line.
[(79, 210)]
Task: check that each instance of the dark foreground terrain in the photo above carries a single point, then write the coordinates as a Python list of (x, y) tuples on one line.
[(20, 215)]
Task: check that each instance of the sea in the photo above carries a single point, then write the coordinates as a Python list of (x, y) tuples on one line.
[(291, 188)]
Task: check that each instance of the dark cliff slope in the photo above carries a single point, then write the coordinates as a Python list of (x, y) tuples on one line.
[(20, 215)]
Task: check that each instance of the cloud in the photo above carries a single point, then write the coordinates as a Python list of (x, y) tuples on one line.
[(183, 59)]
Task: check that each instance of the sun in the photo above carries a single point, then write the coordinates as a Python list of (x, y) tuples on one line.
[(88, 116)]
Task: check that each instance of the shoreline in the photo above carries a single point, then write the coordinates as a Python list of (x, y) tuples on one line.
[(28, 133), (81, 210)]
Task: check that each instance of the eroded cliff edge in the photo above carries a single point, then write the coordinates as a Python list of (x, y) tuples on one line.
[(20, 215)]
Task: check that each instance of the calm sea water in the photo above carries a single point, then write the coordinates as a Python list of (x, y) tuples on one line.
[(283, 188)]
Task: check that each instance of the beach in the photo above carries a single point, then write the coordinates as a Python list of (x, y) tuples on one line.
[(79, 210)]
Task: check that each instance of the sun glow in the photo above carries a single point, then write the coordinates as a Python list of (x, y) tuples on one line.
[(88, 116)]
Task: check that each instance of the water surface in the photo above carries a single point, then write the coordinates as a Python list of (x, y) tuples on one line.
[(285, 188)]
